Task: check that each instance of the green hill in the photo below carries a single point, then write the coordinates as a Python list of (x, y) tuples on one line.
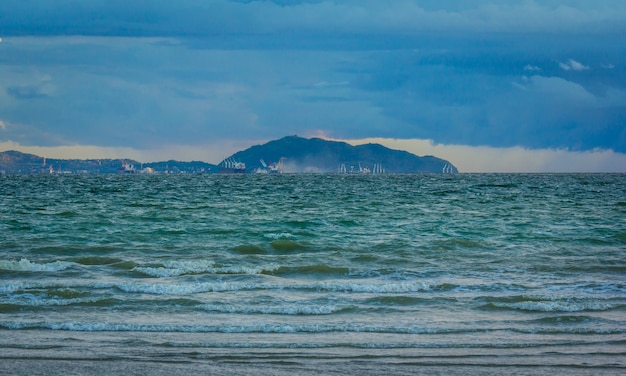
[(317, 155)]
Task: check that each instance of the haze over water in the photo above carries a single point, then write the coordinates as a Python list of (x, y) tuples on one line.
[(314, 274)]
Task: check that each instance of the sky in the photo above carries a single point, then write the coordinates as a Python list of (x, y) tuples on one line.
[(490, 85)]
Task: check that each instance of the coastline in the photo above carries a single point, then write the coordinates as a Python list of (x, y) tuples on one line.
[(23, 366)]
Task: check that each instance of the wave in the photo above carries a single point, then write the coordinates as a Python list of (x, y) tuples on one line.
[(279, 284), (277, 310), (165, 288), (347, 287), (179, 268), (558, 306), (547, 304), (566, 319), (23, 302), (178, 288), (235, 328), (406, 300), (11, 287), (375, 287), (617, 287), (25, 265), (29, 301), (239, 328), (277, 236), (381, 345), (133, 287), (153, 288)]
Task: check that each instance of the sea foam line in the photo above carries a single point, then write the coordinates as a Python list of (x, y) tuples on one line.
[(233, 328), (276, 310), (175, 269), (202, 287), (290, 328), (163, 288), (346, 287), (25, 265), (370, 286), (45, 302), (558, 306)]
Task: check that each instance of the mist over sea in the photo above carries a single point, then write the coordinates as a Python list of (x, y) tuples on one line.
[(313, 274)]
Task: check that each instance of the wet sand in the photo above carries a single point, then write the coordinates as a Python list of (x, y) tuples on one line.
[(33, 367)]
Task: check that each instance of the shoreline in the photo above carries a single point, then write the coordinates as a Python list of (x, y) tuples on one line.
[(24, 366)]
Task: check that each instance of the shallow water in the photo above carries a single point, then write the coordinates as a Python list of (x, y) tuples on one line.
[(311, 271)]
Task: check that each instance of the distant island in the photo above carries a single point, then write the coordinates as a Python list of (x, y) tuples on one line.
[(291, 154)]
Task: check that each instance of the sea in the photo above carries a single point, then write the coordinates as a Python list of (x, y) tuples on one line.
[(313, 274)]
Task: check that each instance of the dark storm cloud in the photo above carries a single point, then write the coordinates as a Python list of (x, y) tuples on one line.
[(537, 74), (26, 92), (210, 17), (501, 96)]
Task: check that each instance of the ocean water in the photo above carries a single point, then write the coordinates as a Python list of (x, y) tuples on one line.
[(313, 274)]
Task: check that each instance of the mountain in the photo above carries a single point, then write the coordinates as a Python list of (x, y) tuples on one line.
[(290, 154), (15, 162), (316, 155)]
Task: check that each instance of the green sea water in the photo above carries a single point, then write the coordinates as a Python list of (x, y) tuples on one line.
[(317, 273)]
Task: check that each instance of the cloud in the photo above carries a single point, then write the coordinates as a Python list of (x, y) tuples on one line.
[(557, 89), (466, 98), (513, 159), (574, 65), (552, 112), (3, 125), (34, 84), (325, 84), (196, 18), (26, 92), (531, 68), (146, 93), (148, 74)]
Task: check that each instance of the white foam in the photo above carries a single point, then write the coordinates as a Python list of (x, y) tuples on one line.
[(281, 235), (185, 288), (177, 268), (375, 287), (557, 306), (24, 265), (12, 287), (231, 328), (202, 287), (275, 310), (247, 269), (33, 301), (181, 288)]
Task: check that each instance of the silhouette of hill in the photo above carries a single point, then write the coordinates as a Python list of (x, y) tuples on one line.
[(15, 162), (296, 155), (318, 155)]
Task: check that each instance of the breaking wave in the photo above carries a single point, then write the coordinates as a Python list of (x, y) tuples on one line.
[(24, 265), (179, 268)]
